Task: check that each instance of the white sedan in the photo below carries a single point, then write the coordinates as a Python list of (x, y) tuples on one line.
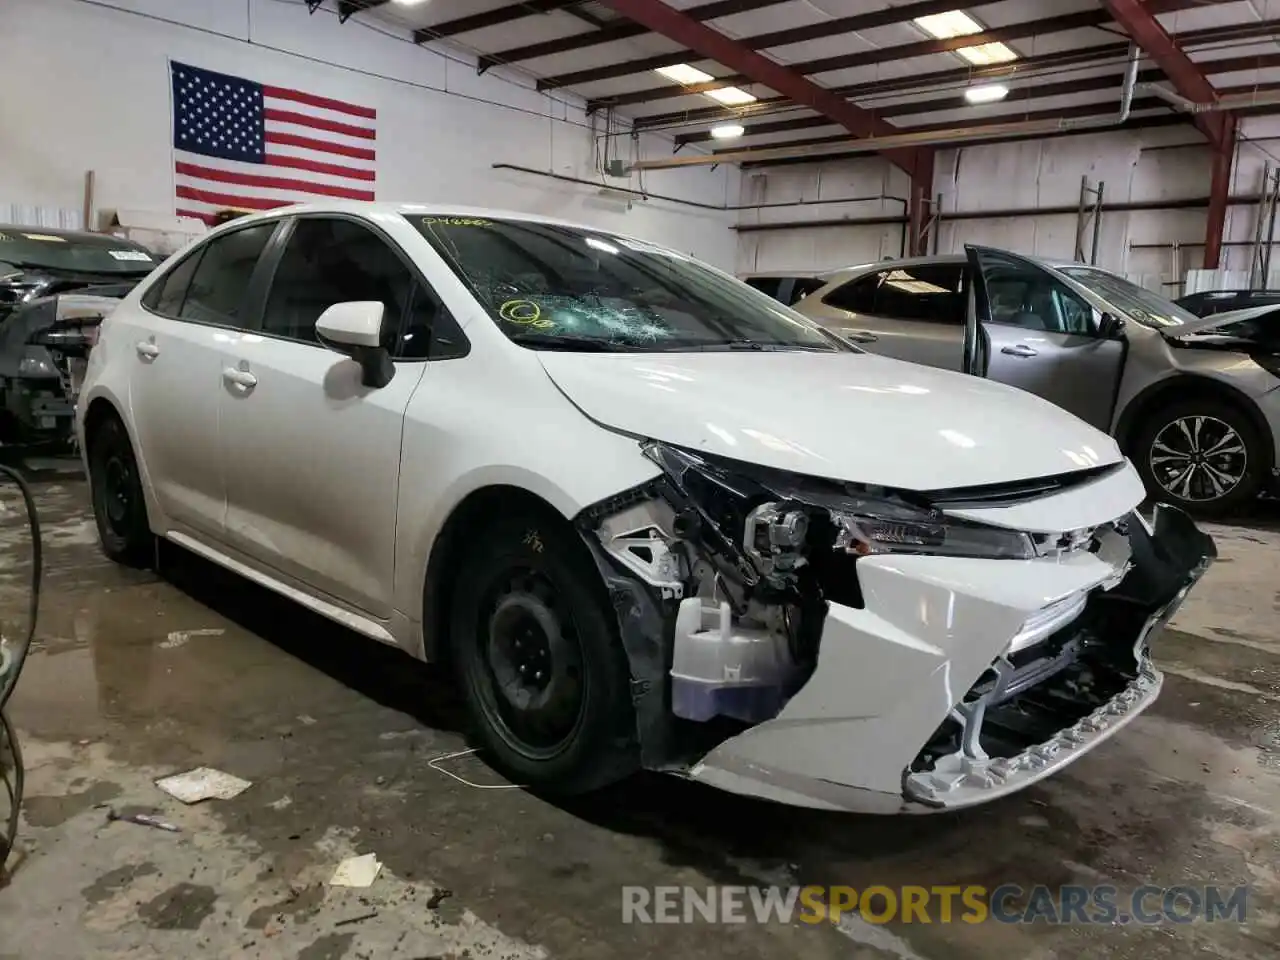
[(651, 517)]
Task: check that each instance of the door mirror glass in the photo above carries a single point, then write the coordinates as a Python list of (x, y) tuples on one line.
[(354, 328), (1110, 326)]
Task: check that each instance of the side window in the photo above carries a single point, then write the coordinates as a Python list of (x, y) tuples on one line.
[(932, 293), (1022, 295), (220, 284), (857, 296), (166, 296), (328, 261)]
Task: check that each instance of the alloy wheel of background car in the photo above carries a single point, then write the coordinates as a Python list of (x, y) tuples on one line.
[(535, 646), (119, 506), (1202, 455)]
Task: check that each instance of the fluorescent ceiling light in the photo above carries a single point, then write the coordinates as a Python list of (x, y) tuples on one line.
[(957, 23), (987, 53), (685, 74), (727, 131), (410, 3), (987, 93), (953, 23), (731, 96)]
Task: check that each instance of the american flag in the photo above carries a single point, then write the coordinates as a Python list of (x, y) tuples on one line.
[(249, 146)]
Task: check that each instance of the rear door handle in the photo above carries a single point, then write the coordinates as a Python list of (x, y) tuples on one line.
[(147, 350), (861, 336), (241, 378), (1020, 350)]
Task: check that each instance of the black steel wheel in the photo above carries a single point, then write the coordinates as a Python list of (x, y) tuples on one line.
[(119, 506), (1204, 456), (536, 648)]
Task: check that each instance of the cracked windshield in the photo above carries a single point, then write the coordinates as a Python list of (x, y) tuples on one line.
[(560, 288)]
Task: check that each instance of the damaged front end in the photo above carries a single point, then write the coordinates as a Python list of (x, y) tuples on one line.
[(852, 647)]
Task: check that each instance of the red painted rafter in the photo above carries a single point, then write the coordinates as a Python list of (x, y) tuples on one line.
[(712, 45), (1187, 78), (1219, 127)]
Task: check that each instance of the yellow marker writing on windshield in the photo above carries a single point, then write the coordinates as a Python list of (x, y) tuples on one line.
[(456, 222), (524, 312)]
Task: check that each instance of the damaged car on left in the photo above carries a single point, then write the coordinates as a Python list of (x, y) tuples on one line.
[(649, 517), (55, 285)]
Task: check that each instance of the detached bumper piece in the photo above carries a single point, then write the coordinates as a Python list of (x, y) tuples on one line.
[(1025, 719)]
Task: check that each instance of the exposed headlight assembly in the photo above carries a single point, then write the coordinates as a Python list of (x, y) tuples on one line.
[(775, 515)]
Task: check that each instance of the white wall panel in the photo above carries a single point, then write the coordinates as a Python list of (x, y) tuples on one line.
[(1160, 165), (95, 95)]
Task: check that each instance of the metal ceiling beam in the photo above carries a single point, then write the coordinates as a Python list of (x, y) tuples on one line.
[(782, 37), (490, 18), (1064, 88), (918, 81), (756, 68), (920, 48), (1055, 122), (346, 8), (1139, 22), (624, 30)]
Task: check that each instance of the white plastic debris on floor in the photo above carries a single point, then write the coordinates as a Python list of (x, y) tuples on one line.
[(356, 871), (203, 783)]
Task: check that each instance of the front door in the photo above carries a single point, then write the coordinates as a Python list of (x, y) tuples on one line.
[(312, 455), (1028, 328), (176, 339)]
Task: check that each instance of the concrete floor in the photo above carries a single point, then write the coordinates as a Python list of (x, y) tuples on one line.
[(134, 677)]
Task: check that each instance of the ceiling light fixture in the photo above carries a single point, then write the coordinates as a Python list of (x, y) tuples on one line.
[(731, 96), (684, 74), (987, 93), (727, 131), (957, 23), (410, 3)]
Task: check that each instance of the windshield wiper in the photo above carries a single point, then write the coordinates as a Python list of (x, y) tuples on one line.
[(555, 341)]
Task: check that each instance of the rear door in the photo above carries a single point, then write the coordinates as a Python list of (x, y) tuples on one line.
[(177, 339), (911, 312), (1028, 328)]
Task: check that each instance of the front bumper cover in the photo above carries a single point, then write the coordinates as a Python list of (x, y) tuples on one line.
[(892, 675)]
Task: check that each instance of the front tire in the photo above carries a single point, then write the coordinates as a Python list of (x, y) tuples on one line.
[(537, 652), (119, 506), (1202, 455)]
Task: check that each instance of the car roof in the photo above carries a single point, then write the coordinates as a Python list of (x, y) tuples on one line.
[(374, 209), (854, 270)]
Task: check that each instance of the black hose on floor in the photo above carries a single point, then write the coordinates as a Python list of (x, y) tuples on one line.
[(13, 654)]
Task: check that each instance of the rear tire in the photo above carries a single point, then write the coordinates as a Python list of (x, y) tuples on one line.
[(119, 506), (536, 649), (1202, 455)]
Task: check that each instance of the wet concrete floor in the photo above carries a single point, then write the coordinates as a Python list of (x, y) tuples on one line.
[(134, 677)]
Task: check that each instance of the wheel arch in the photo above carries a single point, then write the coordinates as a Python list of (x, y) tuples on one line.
[(1184, 387), (104, 405), (446, 551)]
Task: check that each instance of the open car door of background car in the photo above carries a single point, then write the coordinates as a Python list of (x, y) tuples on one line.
[(1028, 327)]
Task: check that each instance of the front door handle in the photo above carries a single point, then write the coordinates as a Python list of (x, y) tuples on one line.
[(241, 378), (861, 336), (147, 349), (1020, 350)]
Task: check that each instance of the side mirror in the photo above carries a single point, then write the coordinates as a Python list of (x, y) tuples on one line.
[(1110, 326), (354, 329)]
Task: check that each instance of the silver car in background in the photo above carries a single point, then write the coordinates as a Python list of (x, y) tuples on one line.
[(1195, 403)]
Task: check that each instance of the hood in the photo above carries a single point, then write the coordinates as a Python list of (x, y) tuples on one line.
[(1206, 324), (844, 416)]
